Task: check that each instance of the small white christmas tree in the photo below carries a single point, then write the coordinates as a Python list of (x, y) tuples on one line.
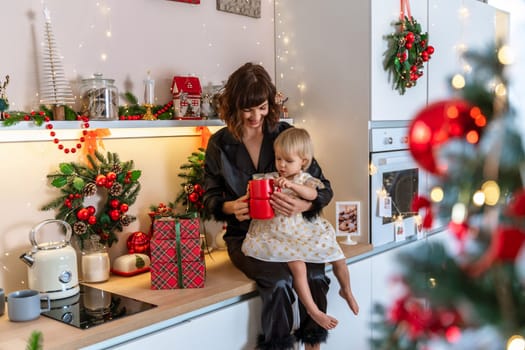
[(55, 89)]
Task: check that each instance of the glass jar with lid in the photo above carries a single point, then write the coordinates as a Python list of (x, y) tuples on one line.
[(99, 97), (95, 261)]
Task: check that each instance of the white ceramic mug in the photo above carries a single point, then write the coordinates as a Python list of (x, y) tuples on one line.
[(2, 301), (24, 305)]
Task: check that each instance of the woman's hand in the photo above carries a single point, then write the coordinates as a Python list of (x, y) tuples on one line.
[(287, 205), (238, 207)]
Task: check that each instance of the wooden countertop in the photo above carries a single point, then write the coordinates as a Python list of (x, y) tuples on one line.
[(223, 282)]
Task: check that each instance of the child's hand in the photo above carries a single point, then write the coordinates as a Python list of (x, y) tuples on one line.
[(282, 182)]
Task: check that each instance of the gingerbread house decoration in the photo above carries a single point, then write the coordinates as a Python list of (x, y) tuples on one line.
[(186, 97)]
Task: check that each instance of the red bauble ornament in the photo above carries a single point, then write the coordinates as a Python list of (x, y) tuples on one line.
[(100, 180), (193, 197), (124, 207), (91, 210), (198, 188), (92, 220), (138, 242), (437, 124), (114, 214), (83, 214)]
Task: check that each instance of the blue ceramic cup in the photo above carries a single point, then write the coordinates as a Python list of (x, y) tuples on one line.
[(25, 305)]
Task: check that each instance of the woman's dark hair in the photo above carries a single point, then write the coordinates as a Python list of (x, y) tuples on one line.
[(247, 87)]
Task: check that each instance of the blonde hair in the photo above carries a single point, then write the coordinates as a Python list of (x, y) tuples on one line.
[(296, 141)]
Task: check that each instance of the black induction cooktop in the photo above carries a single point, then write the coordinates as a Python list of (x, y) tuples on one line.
[(92, 307)]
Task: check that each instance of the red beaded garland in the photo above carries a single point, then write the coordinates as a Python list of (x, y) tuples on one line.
[(84, 125)]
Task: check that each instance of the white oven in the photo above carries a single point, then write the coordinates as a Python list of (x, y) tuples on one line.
[(395, 180)]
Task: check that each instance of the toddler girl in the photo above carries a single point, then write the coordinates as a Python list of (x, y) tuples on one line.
[(294, 239)]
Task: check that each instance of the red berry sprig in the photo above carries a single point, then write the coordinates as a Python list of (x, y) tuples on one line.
[(164, 109)]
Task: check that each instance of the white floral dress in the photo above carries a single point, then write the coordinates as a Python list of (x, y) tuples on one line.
[(284, 238)]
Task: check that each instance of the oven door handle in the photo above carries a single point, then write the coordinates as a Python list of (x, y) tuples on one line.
[(395, 160)]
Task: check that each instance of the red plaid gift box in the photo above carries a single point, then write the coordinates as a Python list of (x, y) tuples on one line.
[(167, 251), (166, 228), (177, 259), (168, 275)]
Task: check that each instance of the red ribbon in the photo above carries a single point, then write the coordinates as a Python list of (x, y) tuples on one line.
[(517, 205), (405, 7), (423, 202), (504, 246)]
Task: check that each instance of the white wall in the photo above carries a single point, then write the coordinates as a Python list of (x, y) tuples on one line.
[(167, 37)]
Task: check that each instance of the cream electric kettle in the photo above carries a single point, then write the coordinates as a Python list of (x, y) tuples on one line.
[(52, 266)]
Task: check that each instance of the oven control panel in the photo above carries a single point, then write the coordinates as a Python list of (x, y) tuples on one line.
[(388, 139)]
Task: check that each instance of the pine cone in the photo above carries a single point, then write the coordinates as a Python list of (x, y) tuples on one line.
[(79, 228), (125, 220), (116, 190), (89, 190), (117, 168)]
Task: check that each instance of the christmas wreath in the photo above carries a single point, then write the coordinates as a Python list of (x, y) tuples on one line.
[(407, 52), (117, 184)]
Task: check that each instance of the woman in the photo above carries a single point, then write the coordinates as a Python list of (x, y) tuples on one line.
[(233, 155)]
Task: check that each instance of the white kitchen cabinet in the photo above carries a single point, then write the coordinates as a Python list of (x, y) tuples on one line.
[(384, 267), (352, 332), (232, 327), (470, 25), (386, 103)]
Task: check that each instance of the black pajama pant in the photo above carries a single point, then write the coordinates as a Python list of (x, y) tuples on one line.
[(274, 284)]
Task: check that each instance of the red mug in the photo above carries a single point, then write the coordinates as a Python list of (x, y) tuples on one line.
[(261, 209), (261, 188)]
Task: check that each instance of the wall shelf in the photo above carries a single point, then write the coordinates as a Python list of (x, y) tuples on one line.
[(27, 131)]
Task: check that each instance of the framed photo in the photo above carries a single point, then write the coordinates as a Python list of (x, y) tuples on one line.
[(347, 220), (250, 8)]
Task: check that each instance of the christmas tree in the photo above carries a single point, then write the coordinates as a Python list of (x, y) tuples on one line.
[(193, 183), (469, 294), (55, 88)]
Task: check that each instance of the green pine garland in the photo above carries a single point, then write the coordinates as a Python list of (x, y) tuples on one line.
[(133, 108), (37, 117), (407, 51), (78, 181)]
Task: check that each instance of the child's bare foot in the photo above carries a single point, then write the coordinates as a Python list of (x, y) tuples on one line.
[(349, 297), (323, 320)]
